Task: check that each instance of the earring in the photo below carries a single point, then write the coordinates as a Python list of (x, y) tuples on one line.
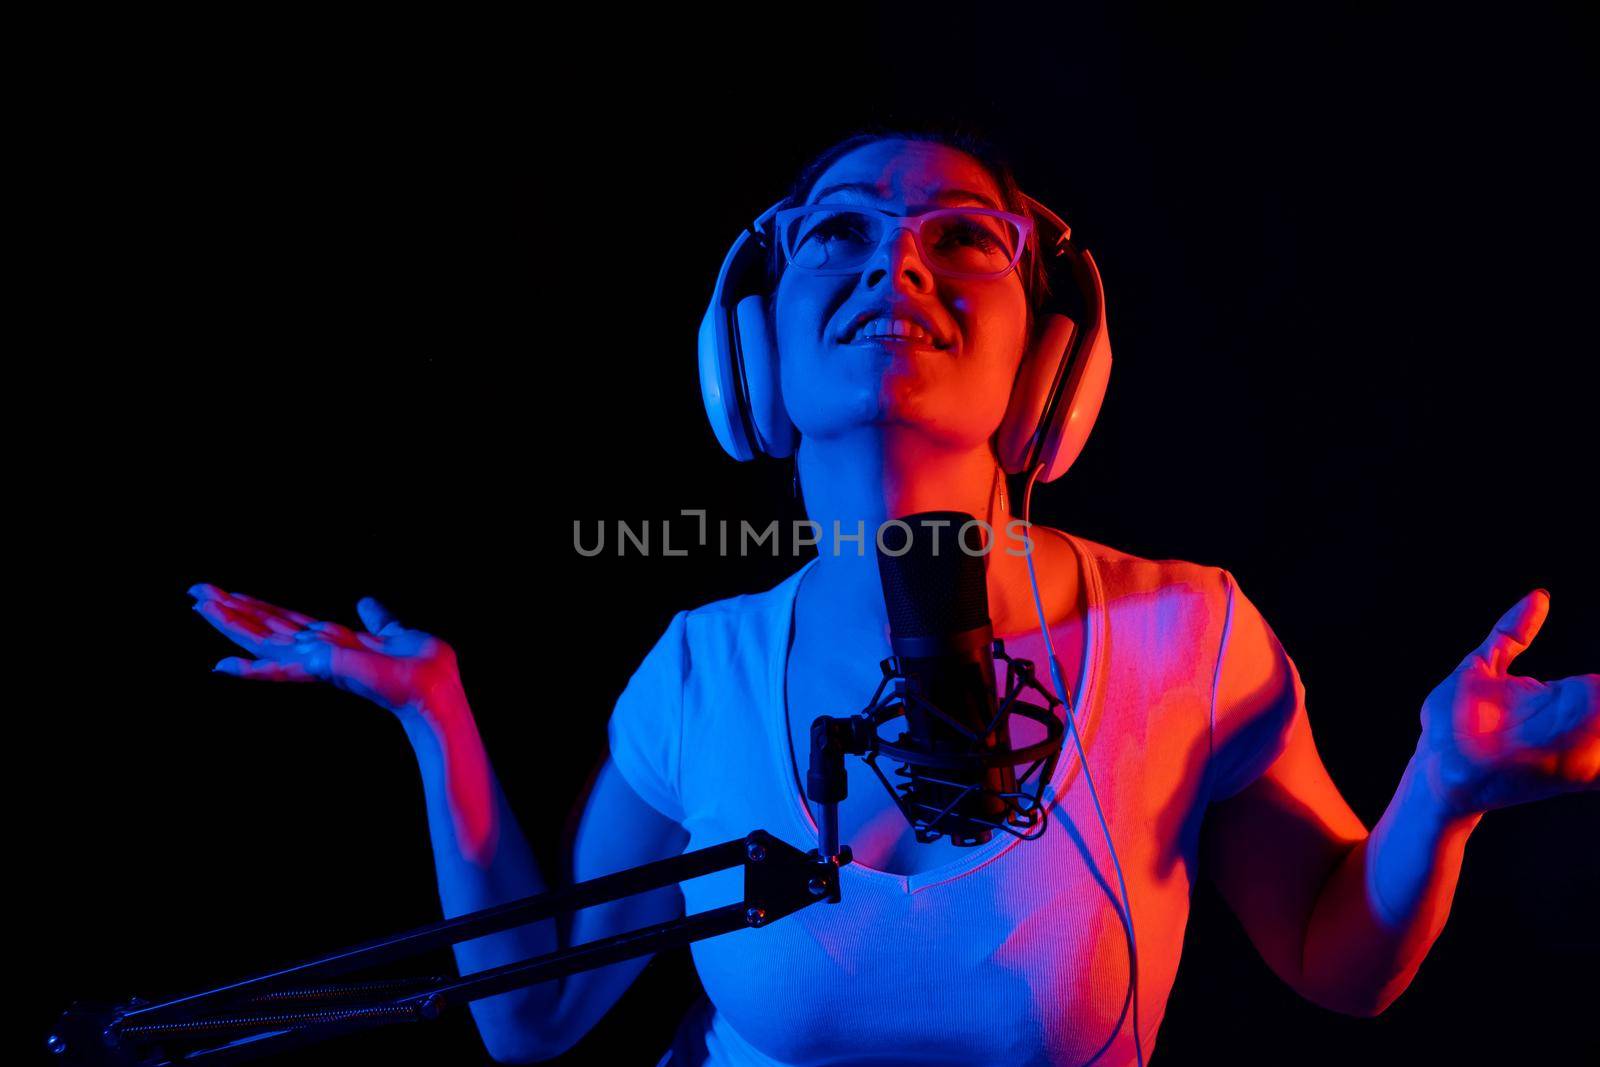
[(997, 493)]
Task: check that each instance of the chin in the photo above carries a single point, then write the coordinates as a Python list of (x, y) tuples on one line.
[(889, 391), (940, 411)]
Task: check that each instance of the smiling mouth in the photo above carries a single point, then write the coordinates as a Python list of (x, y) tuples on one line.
[(893, 342), (897, 331)]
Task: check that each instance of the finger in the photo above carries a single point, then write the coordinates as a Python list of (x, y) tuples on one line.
[(262, 614), (240, 629), (1574, 709), (287, 620), (1563, 736), (374, 616), (295, 617), (263, 670), (276, 624), (1512, 634), (1581, 763), (336, 633)]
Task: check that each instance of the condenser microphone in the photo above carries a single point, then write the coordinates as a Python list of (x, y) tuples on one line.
[(942, 641)]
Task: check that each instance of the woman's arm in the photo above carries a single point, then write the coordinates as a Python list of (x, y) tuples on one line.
[(1386, 904), (480, 853), (475, 873), (617, 830), (1346, 917)]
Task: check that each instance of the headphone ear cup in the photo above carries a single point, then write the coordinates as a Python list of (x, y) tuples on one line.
[(759, 345), (1030, 392), (1074, 419), (719, 385), (1060, 385), (1035, 433)]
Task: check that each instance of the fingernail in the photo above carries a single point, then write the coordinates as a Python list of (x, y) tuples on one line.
[(1543, 590)]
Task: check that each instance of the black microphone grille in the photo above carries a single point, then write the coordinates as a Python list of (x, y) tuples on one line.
[(934, 587)]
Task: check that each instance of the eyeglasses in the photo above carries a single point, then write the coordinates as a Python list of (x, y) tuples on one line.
[(957, 242)]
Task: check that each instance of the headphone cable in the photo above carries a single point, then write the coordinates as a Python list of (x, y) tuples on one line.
[(1070, 715)]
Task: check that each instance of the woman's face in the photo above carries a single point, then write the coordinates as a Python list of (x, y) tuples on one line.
[(836, 380)]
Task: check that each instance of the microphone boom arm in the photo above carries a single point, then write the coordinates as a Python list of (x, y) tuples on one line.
[(267, 1014), (274, 1011)]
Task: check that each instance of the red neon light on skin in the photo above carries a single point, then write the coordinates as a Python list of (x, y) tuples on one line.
[(1491, 739), (1353, 939), (411, 673)]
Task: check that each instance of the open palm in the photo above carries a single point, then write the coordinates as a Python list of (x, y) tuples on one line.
[(1491, 739), (386, 663)]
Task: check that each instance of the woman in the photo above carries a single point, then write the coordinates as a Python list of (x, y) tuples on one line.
[(1192, 717)]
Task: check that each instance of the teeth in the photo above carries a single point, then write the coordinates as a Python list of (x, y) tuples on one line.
[(881, 327)]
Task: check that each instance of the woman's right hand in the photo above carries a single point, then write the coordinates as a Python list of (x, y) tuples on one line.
[(405, 671)]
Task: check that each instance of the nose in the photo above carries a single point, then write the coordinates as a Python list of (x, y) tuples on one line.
[(899, 260)]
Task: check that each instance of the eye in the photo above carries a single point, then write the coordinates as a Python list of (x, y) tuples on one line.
[(833, 239), (969, 235), (970, 243), (842, 227)]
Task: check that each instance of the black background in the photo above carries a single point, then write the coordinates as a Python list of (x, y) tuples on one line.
[(322, 311)]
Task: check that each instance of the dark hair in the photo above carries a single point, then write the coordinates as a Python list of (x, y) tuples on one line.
[(1035, 280)]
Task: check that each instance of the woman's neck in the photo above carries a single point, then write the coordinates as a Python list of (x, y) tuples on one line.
[(853, 485)]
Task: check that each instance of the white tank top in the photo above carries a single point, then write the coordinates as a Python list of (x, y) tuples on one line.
[(1015, 952)]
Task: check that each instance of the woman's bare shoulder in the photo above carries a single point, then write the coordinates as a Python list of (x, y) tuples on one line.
[(1127, 570)]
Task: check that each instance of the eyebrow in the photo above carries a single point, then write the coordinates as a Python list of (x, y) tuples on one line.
[(942, 196)]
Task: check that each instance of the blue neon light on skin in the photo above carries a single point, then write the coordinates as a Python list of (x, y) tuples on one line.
[(889, 429)]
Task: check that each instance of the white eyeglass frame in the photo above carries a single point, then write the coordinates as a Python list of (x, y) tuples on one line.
[(914, 223)]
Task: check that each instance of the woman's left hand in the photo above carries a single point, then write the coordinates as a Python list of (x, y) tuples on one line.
[(1491, 739)]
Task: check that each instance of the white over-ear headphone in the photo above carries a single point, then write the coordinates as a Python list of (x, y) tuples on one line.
[(1055, 398)]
